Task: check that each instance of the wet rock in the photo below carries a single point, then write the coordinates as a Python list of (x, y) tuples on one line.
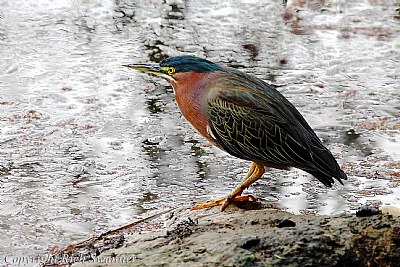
[(390, 210), (286, 223), (85, 251), (265, 237), (367, 211), (250, 242), (182, 229), (200, 250)]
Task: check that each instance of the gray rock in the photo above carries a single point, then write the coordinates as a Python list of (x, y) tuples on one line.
[(241, 237)]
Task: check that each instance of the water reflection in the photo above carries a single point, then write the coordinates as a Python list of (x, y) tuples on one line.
[(155, 51), (253, 50), (175, 12), (124, 14), (360, 144), (198, 152)]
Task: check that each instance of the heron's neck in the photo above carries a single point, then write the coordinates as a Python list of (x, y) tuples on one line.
[(190, 94)]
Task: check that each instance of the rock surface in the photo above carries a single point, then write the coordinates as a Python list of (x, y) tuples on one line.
[(258, 236)]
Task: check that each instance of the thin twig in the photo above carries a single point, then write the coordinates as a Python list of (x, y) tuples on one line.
[(136, 222), (73, 248)]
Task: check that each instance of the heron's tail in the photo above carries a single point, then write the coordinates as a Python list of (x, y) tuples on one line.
[(325, 167)]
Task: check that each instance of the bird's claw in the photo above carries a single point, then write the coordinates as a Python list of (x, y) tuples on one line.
[(208, 204), (223, 202)]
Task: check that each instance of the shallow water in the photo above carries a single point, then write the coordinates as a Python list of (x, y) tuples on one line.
[(86, 145)]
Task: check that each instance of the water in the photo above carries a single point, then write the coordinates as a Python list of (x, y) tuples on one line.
[(87, 145)]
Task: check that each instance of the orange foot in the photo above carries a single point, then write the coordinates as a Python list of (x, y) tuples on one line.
[(255, 172), (223, 202)]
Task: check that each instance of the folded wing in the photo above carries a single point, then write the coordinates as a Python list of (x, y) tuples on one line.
[(252, 120)]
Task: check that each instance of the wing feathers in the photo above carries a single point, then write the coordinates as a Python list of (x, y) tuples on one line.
[(253, 121)]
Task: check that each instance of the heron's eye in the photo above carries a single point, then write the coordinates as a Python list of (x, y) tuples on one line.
[(171, 70)]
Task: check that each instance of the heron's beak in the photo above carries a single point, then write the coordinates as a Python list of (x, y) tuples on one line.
[(151, 68)]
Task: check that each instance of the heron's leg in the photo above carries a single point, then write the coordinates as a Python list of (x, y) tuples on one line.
[(255, 172), (251, 170)]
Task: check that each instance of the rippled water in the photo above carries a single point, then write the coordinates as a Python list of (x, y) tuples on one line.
[(86, 145)]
